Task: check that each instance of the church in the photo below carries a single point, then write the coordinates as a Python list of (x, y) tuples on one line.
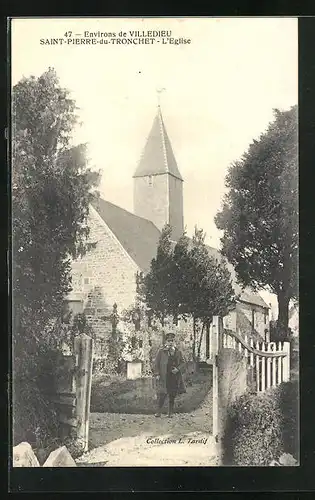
[(125, 243)]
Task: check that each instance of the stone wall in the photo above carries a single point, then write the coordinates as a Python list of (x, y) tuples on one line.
[(232, 379), (104, 276)]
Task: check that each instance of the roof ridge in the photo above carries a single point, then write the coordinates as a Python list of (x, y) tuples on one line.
[(162, 131)]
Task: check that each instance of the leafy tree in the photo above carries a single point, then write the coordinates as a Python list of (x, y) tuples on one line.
[(185, 281), (155, 289), (52, 186), (260, 213), (203, 285)]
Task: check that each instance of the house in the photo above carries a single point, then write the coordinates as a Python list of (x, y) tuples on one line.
[(126, 242)]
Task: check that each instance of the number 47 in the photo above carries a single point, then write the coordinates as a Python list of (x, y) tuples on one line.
[(68, 33)]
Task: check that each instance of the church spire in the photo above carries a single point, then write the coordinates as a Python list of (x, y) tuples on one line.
[(158, 185), (157, 156)]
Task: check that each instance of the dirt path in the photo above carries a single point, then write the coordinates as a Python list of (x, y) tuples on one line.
[(118, 440)]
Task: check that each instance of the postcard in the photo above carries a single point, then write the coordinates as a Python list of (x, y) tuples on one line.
[(155, 315)]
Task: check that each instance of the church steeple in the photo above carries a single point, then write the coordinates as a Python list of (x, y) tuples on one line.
[(157, 156), (158, 184)]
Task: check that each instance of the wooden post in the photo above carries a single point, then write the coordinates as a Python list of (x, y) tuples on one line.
[(273, 346), (286, 362), (83, 347), (246, 350), (251, 355), (257, 359), (268, 369), (279, 362), (263, 368), (215, 372)]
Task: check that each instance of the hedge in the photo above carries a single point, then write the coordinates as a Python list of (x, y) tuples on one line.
[(260, 427), (34, 414)]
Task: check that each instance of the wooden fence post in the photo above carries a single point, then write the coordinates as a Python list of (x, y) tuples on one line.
[(83, 349), (215, 377), (263, 369), (218, 338), (286, 362)]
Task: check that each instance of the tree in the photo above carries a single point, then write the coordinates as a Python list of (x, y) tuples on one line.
[(185, 281), (204, 287), (260, 213), (156, 286), (52, 187)]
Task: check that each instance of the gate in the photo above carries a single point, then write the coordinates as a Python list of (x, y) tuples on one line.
[(269, 362), (73, 390)]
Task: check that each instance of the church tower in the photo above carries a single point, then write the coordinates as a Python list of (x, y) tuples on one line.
[(158, 184)]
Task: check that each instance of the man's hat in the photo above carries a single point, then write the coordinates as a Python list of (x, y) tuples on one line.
[(170, 336)]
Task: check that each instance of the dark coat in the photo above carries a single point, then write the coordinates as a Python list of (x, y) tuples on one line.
[(167, 382)]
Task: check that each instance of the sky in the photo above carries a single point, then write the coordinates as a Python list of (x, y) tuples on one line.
[(220, 91)]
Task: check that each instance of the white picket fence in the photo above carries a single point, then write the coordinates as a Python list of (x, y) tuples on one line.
[(269, 360)]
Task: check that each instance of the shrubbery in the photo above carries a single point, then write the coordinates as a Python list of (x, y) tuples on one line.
[(261, 427), (289, 405), (52, 187), (34, 419)]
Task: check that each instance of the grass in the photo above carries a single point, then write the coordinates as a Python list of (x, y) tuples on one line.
[(115, 395)]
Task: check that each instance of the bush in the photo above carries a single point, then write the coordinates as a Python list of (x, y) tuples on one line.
[(289, 404), (34, 415), (260, 427)]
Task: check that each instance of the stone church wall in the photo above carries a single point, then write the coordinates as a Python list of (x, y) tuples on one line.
[(104, 276)]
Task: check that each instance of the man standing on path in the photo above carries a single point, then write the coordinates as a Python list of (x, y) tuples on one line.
[(169, 365)]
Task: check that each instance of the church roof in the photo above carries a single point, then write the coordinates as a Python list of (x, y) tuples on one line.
[(157, 156), (138, 236)]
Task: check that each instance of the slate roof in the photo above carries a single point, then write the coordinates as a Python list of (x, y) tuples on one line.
[(157, 156), (140, 238)]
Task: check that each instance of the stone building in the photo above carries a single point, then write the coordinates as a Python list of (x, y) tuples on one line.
[(126, 242)]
